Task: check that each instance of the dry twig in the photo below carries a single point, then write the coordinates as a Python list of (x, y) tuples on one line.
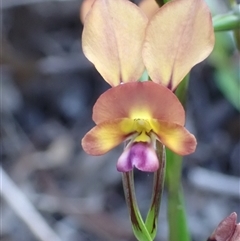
[(25, 210)]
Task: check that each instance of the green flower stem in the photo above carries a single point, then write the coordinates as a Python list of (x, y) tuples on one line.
[(139, 229), (226, 22), (178, 228), (158, 185)]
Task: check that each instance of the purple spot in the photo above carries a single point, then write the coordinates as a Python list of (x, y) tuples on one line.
[(140, 155)]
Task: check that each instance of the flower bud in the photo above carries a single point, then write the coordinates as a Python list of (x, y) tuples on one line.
[(227, 230)]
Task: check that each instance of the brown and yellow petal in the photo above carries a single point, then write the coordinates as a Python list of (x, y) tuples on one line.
[(174, 136), (107, 135), (112, 40), (179, 36), (139, 100)]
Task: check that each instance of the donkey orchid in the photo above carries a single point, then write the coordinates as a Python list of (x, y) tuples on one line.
[(120, 41), (139, 113)]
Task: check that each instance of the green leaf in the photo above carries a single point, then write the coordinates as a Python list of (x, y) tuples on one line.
[(229, 86), (227, 68), (226, 22), (237, 38)]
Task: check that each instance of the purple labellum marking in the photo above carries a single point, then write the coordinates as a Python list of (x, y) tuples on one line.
[(140, 155)]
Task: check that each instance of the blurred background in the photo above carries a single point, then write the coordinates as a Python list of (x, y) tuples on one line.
[(51, 189)]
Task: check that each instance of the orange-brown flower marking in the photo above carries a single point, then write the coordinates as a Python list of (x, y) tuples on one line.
[(139, 113), (121, 42)]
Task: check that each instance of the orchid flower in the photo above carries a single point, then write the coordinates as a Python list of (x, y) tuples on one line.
[(139, 113), (120, 41)]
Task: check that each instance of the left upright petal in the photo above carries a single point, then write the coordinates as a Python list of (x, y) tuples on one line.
[(107, 135), (113, 38), (179, 36)]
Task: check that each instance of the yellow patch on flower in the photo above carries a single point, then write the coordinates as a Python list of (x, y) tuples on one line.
[(142, 125)]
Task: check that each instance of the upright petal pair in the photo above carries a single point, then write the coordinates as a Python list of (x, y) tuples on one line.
[(121, 42)]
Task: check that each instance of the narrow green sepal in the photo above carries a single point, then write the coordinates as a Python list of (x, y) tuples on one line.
[(158, 185), (139, 229)]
